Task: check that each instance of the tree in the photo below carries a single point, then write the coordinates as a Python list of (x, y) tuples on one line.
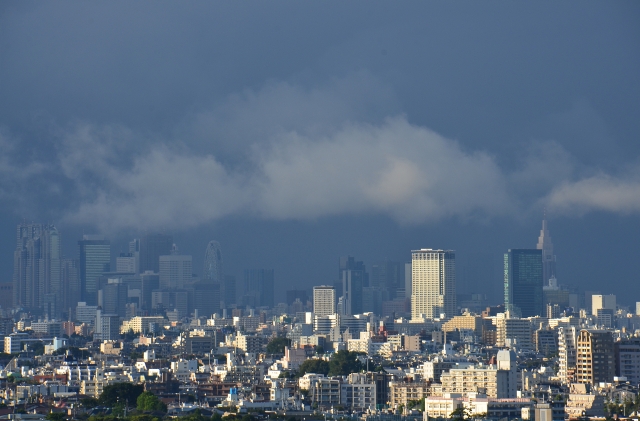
[(276, 345), (344, 363), (37, 348), (55, 416), (147, 401), (313, 365), (120, 392), (460, 413), (89, 402)]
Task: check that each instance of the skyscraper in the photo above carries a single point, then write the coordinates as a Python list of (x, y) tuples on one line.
[(37, 268), (175, 271), (70, 284), (259, 287), (152, 246), (353, 278), (433, 283), (50, 272), (25, 263), (324, 300), (548, 258), (213, 263), (523, 282), (94, 260)]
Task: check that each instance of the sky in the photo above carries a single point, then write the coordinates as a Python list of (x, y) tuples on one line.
[(297, 132)]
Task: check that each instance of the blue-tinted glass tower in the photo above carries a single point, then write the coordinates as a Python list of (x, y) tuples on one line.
[(523, 282)]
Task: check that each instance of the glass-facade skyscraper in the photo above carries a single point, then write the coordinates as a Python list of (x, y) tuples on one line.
[(523, 280), (94, 259)]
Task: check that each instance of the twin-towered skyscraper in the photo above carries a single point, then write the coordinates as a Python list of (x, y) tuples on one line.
[(38, 268)]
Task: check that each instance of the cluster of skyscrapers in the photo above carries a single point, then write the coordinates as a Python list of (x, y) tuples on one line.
[(151, 277), (428, 282)]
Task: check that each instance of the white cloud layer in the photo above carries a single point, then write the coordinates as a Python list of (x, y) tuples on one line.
[(404, 171), (601, 192), (285, 152)]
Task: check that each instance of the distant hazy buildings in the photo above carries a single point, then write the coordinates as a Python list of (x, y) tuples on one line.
[(523, 281), (176, 271), (37, 277), (353, 278), (213, 263), (548, 258), (258, 287), (213, 275), (95, 259), (433, 283), (152, 246), (324, 300)]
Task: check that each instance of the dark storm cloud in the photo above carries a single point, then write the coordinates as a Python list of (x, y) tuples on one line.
[(130, 115)]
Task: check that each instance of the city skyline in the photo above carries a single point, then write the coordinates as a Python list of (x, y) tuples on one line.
[(381, 279)]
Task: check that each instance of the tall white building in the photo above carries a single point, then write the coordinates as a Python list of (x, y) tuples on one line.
[(567, 348), (324, 300), (433, 283), (175, 271)]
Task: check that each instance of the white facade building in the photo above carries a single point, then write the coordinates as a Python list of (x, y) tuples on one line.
[(175, 271), (324, 300), (433, 283)]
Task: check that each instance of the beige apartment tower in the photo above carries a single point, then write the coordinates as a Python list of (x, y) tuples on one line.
[(324, 300), (595, 361), (433, 283)]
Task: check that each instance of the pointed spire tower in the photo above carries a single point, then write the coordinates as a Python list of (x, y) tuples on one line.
[(548, 258)]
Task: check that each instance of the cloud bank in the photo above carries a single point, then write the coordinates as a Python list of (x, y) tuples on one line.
[(285, 152)]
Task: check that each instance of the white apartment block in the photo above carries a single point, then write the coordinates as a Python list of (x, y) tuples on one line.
[(513, 332), (567, 348), (433, 283), (358, 393), (494, 381), (324, 300)]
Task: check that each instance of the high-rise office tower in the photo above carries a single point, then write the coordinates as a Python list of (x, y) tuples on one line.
[(389, 276), (176, 271), (37, 268), (433, 283), (25, 264), (352, 286), (324, 300), (113, 297), (152, 246), (126, 263), (353, 277), (523, 282), (94, 260), (50, 272), (206, 298), (149, 282), (70, 285), (548, 258), (259, 287), (213, 263), (229, 290)]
